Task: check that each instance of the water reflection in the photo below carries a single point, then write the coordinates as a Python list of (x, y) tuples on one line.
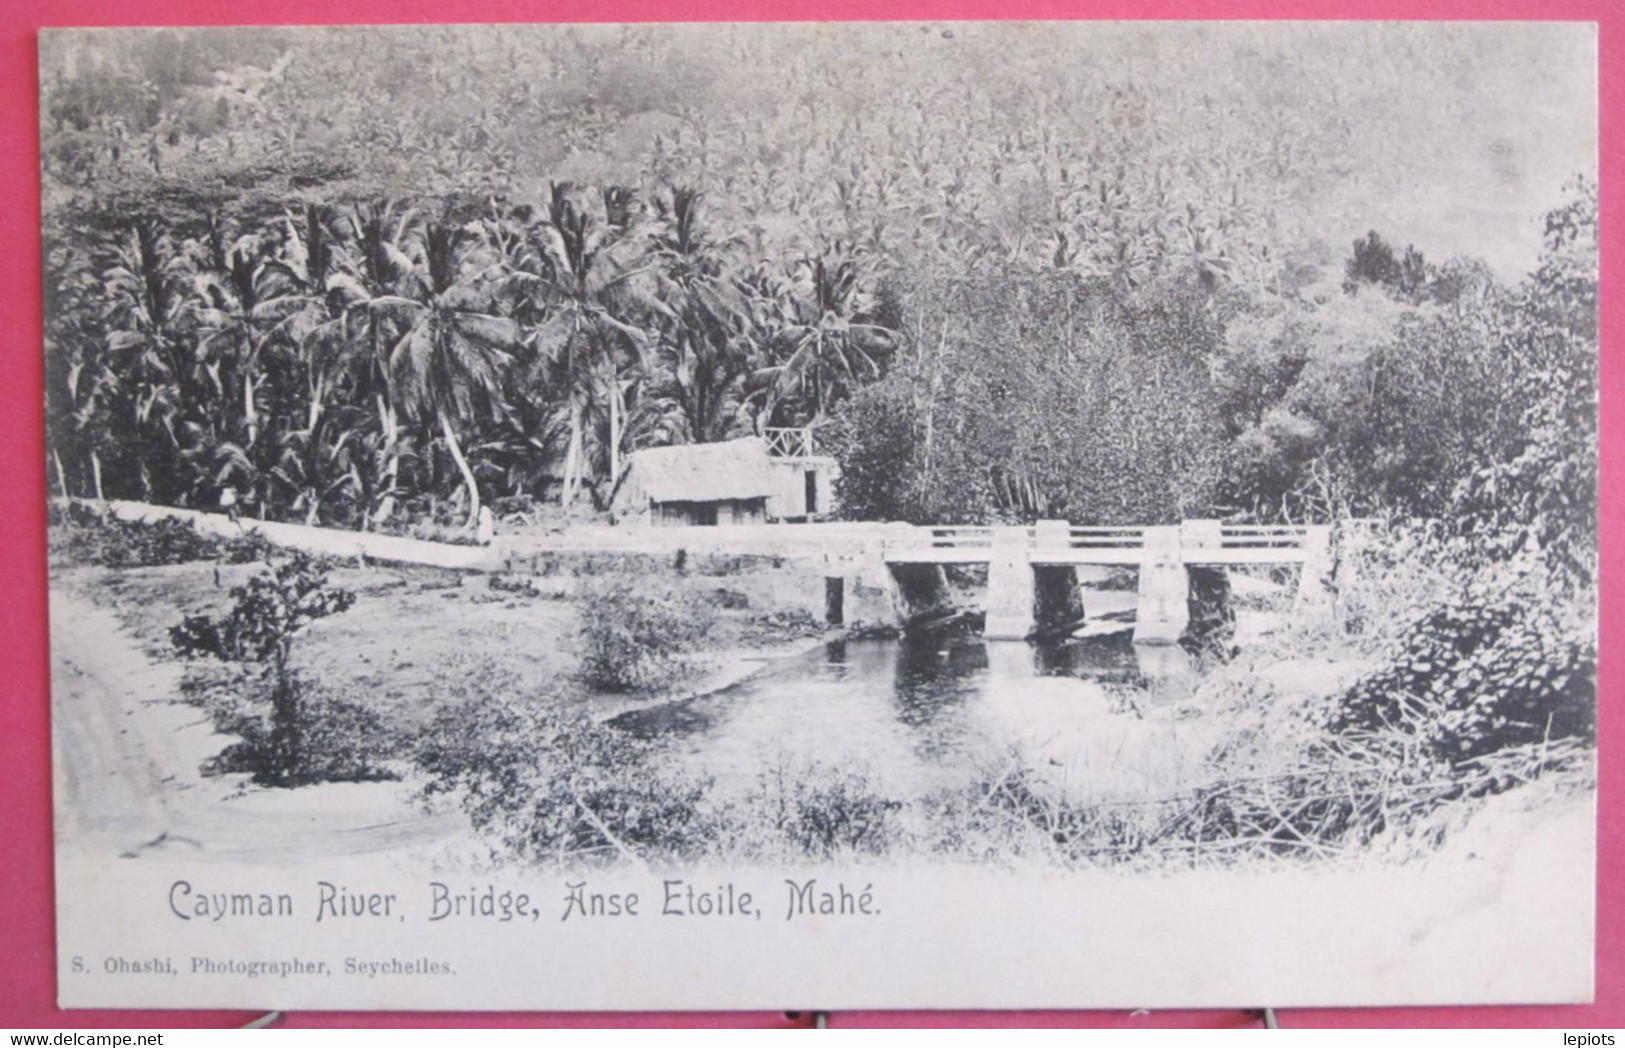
[(930, 676), (919, 712)]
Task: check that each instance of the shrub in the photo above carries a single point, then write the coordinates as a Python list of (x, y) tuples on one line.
[(823, 811), (1019, 798), (1475, 677), (82, 534), (515, 582), (328, 740), (246, 548), (781, 624), (267, 611), (510, 505), (553, 785), (636, 635)]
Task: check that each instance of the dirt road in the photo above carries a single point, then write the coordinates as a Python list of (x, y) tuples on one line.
[(127, 758)]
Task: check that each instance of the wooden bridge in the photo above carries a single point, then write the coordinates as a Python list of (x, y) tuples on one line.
[(1023, 561)]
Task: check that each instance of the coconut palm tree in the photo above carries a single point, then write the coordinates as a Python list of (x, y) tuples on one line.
[(704, 347), (449, 351), (593, 281), (320, 338), (820, 341), (148, 370), (372, 261), (80, 383), (316, 465), (239, 313)]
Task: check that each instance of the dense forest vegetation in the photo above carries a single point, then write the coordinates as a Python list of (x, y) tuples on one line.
[(360, 275)]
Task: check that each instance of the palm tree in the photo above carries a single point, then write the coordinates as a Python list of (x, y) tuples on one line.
[(373, 263), (704, 347), (316, 466), (320, 336), (585, 274), (78, 376), (148, 371), (448, 357), (820, 341)]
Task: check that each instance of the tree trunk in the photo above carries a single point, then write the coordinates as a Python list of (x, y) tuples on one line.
[(933, 385), (315, 412), (248, 410), (287, 727), (96, 474), (614, 428), (61, 474), (571, 454), (386, 420), (462, 467)]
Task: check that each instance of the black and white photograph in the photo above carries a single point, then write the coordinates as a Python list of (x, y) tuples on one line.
[(891, 515)]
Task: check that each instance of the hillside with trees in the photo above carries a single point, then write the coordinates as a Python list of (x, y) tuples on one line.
[(365, 276)]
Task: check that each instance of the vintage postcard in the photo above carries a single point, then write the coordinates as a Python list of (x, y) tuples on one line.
[(962, 515)]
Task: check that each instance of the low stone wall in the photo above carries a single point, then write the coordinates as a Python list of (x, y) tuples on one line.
[(330, 542), (511, 552)]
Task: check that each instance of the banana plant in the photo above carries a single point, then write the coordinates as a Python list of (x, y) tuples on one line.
[(240, 312)]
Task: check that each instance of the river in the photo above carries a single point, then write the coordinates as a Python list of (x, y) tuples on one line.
[(1099, 717)]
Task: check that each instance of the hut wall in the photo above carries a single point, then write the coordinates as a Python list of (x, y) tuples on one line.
[(789, 497), (701, 514), (742, 511)]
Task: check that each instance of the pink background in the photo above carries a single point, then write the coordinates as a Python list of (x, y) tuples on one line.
[(27, 951)]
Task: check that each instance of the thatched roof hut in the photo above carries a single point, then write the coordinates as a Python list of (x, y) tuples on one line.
[(725, 482)]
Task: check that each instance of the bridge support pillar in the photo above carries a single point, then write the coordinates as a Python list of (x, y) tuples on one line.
[(1010, 587), (872, 599), (1164, 609), (1057, 600), (1163, 662), (1315, 583), (1052, 534)]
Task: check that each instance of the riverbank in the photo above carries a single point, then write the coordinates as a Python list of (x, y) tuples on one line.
[(418, 640), (715, 715)]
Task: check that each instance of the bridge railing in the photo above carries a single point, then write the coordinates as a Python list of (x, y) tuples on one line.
[(965, 537), (959, 537), (1105, 538), (1206, 541), (1263, 536)]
